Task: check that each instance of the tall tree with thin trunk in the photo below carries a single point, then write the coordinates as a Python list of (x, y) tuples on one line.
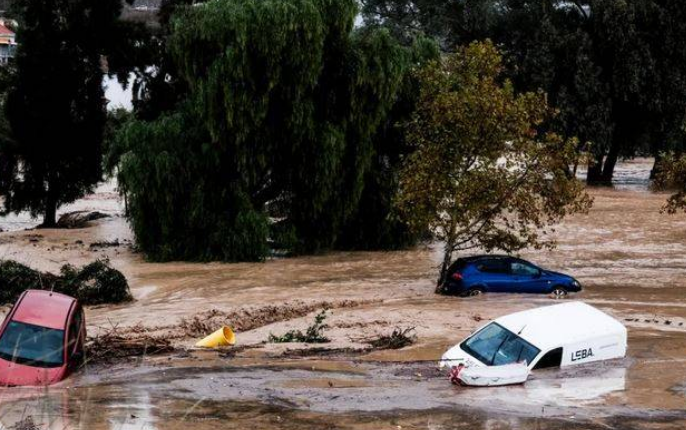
[(482, 175), (55, 103)]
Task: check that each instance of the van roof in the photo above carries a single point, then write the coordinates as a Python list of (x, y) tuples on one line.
[(44, 308), (554, 326)]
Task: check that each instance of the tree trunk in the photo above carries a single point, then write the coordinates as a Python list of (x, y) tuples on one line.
[(50, 216), (655, 171), (447, 259), (610, 163), (595, 171)]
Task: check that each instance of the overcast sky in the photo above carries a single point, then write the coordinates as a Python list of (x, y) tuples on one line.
[(117, 96)]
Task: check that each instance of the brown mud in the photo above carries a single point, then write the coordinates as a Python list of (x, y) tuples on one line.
[(630, 258)]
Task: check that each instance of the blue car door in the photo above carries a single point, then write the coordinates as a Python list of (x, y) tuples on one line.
[(495, 275), (527, 278)]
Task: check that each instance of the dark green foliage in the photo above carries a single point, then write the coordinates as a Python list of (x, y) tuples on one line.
[(282, 120), (615, 69), (16, 278), (95, 283), (313, 334), (179, 203), (452, 23), (295, 101), (374, 225), (55, 103), (116, 119), (156, 87)]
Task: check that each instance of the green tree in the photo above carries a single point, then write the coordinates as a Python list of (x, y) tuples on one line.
[(615, 69), (289, 98), (55, 103), (178, 199), (452, 23), (482, 175), (375, 225)]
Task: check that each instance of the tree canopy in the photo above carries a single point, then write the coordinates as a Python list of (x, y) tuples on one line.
[(482, 174), (285, 102), (55, 103), (614, 69)]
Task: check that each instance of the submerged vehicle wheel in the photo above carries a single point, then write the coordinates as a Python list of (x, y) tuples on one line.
[(473, 292), (559, 292)]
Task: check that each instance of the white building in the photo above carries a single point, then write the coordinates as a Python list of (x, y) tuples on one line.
[(8, 43)]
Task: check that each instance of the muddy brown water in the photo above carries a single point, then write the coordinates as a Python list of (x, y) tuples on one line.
[(630, 258)]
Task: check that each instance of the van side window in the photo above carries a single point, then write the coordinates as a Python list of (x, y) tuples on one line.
[(552, 359)]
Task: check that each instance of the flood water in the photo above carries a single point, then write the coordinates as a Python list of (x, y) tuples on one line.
[(630, 258)]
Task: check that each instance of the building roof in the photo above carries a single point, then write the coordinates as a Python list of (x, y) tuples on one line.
[(45, 309), (5, 31), (555, 326)]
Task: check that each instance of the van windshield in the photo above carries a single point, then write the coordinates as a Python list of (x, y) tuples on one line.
[(32, 345), (494, 346)]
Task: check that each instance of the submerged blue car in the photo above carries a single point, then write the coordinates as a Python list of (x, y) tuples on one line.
[(504, 274)]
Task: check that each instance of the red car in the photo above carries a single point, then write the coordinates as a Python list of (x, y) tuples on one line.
[(41, 340)]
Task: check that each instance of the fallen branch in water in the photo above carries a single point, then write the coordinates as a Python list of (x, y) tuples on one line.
[(399, 338), (111, 345)]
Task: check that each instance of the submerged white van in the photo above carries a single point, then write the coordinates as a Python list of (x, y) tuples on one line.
[(551, 336)]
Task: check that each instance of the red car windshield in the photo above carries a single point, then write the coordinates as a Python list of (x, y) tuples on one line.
[(32, 345)]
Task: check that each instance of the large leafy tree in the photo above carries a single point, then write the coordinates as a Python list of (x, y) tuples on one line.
[(452, 23), (376, 225), (615, 69), (178, 199), (55, 103), (289, 98), (482, 175)]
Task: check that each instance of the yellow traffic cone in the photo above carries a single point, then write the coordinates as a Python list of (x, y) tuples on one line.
[(222, 337)]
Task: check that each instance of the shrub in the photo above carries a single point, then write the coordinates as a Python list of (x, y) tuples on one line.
[(95, 283), (313, 333)]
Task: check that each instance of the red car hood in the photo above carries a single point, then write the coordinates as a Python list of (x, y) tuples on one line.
[(19, 374)]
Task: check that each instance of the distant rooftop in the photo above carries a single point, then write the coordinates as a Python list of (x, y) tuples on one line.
[(4, 30)]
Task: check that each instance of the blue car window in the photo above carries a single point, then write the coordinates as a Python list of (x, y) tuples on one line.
[(519, 268), (32, 345)]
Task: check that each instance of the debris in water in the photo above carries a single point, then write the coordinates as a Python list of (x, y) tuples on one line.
[(221, 337), (25, 424), (112, 345), (79, 219), (399, 338), (250, 317), (313, 334), (105, 244)]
